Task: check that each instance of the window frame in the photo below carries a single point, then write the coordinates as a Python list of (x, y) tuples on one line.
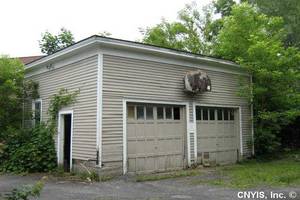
[(34, 101)]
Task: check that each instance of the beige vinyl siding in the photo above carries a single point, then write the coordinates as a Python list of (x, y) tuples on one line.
[(80, 75), (149, 80)]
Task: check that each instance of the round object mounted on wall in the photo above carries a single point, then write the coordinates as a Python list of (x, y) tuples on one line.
[(197, 82)]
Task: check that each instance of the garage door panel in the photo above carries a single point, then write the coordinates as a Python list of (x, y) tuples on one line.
[(227, 157), (150, 163), (217, 134), (156, 144), (207, 144)]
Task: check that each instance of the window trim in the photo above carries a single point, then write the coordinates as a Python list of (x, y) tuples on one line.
[(33, 110)]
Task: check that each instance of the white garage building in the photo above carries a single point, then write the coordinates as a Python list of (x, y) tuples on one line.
[(133, 114)]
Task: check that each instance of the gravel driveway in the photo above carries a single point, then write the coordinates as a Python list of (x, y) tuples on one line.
[(126, 188)]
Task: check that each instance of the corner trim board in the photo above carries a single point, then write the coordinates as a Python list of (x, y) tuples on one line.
[(195, 133), (99, 108)]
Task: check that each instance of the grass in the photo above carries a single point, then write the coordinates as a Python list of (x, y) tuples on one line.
[(284, 171), (167, 175)]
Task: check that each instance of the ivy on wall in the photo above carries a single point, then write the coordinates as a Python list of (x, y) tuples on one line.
[(58, 101)]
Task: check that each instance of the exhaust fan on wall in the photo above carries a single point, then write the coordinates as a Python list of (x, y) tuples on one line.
[(197, 82)]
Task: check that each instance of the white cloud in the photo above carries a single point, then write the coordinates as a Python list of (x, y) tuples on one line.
[(24, 21)]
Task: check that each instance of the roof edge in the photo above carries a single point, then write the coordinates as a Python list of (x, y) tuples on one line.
[(131, 44)]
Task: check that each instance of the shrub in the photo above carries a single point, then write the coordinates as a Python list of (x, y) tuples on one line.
[(24, 192), (29, 150), (266, 141)]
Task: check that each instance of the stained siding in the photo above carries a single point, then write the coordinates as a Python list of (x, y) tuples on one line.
[(80, 75), (140, 79)]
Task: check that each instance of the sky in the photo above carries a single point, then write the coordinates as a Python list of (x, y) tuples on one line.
[(23, 21)]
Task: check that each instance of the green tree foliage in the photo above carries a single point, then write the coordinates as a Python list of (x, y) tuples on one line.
[(28, 150), (58, 101), (255, 41), (189, 33), (289, 11), (223, 7), (11, 92), (51, 43)]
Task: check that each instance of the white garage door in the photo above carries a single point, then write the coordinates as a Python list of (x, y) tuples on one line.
[(217, 138), (155, 137)]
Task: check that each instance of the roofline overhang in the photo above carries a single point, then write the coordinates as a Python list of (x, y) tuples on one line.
[(112, 42)]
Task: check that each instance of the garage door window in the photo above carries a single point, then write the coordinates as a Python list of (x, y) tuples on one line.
[(205, 114), (198, 113), (211, 114), (226, 113), (220, 114), (176, 113), (160, 112), (168, 112), (140, 112), (231, 116), (149, 113), (130, 112)]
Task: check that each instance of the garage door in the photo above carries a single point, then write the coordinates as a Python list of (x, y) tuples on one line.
[(217, 136), (155, 137)]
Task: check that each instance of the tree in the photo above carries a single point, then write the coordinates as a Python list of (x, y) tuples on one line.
[(51, 43), (11, 92), (188, 34), (14, 90), (255, 41), (289, 11), (223, 7)]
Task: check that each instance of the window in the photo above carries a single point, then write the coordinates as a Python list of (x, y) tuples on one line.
[(160, 112), (37, 111), (168, 112), (219, 113), (205, 114), (198, 113), (130, 112), (211, 114), (226, 114), (231, 116), (149, 112), (176, 112), (140, 112)]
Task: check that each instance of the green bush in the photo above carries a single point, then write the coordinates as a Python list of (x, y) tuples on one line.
[(25, 192), (29, 150), (267, 141)]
